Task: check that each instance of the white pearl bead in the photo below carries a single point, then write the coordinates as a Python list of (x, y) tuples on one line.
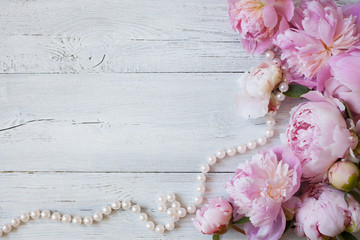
[(162, 199), (56, 217), (231, 151), (150, 225), (191, 209), (106, 210), (201, 177), (181, 212), (205, 168), (171, 212), (66, 218), (98, 216), (284, 68), (25, 217), (136, 209), (212, 160), (116, 205), (270, 122), (262, 141), (35, 214), (200, 189), (251, 144), (221, 154), (283, 87), (45, 214), (126, 204), (175, 204), (280, 96), (6, 228), (162, 208), (88, 220), (176, 218), (171, 197), (277, 61), (241, 148), (269, 55), (269, 133), (15, 222), (143, 217), (170, 226), (199, 200), (76, 220), (160, 229)]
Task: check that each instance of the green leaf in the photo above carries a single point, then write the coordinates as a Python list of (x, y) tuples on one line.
[(242, 220), (296, 91), (345, 198), (216, 237), (347, 236)]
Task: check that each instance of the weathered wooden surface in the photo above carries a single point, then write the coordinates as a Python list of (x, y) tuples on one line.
[(101, 100)]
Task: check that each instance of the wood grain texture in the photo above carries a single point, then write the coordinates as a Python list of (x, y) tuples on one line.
[(101, 100), (50, 36), (113, 122)]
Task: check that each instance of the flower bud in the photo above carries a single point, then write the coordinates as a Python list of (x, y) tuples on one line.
[(344, 175)]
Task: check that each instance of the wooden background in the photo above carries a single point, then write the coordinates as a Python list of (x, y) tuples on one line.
[(114, 99)]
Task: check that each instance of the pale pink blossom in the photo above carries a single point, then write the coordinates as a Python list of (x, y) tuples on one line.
[(345, 83), (344, 175), (318, 136), (261, 187), (257, 87), (214, 217), (321, 31), (259, 21), (324, 213), (354, 10)]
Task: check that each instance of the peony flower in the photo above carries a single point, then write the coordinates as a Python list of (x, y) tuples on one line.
[(345, 83), (260, 188), (354, 10), (321, 32), (318, 136), (324, 213), (257, 87), (214, 217), (344, 175), (259, 21)]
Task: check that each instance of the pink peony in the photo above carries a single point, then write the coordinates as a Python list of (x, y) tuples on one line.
[(324, 213), (321, 32), (353, 9), (260, 188), (318, 135), (345, 84), (257, 87), (214, 217), (259, 21)]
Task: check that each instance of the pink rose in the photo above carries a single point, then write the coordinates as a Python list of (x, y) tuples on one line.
[(318, 136), (214, 217), (324, 213), (261, 188), (259, 21), (257, 87), (345, 83), (321, 31)]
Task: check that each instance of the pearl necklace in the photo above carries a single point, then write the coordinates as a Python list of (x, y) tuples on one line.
[(166, 203)]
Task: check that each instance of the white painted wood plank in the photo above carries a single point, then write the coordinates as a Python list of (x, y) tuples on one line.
[(121, 122), (84, 194), (49, 36)]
